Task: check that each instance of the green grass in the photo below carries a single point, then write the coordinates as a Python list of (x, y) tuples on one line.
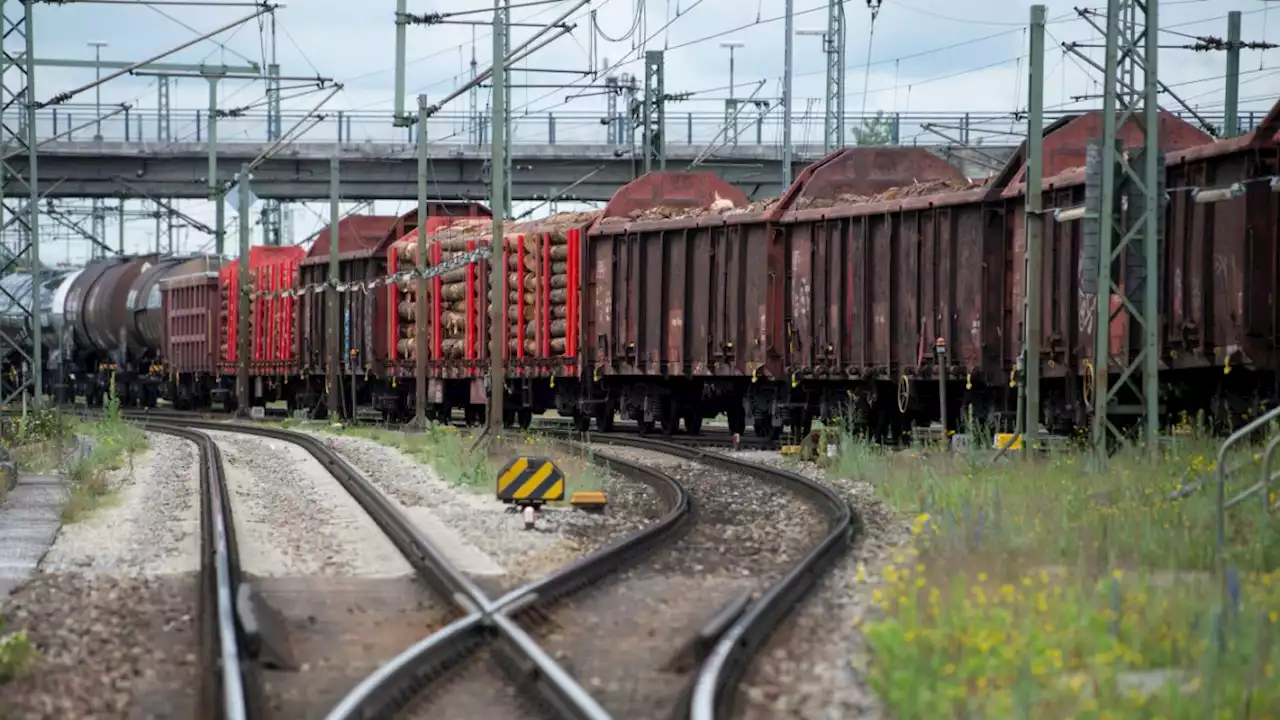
[(449, 452), (441, 446), (1035, 588), (16, 653), (115, 443)]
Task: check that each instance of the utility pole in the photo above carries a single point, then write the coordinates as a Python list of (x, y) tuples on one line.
[(506, 105), (215, 192), (121, 211), (1034, 235), (834, 119), (97, 46), (654, 112), (162, 109), (613, 130), (402, 21), (331, 312), (271, 208), (420, 357), (1137, 241), (473, 98), (731, 105), (17, 109), (99, 223), (630, 118), (833, 103), (789, 24), (497, 319), (245, 308), (1231, 122)]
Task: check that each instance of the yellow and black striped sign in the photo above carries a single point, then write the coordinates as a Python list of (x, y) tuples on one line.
[(530, 480)]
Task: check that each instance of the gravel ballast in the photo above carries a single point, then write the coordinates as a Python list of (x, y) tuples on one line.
[(151, 526), (108, 647), (623, 638), (815, 665), (292, 517), (561, 535)]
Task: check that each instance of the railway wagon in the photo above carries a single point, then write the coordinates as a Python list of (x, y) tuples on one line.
[(364, 308), (688, 317), (928, 268), (110, 316), (360, 237), (17, 327), (1216, 313), (950, 266), (200, 330), (192, 330), (362, 245), (545, 288)]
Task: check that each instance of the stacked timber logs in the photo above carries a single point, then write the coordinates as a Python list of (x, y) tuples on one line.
[(544, 266)]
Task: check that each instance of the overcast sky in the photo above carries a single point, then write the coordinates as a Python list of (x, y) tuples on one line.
[(927, 56)]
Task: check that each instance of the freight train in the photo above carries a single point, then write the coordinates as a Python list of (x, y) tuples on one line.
[(681, 300)]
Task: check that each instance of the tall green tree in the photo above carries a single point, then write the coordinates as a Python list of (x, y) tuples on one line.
[(876, 131)]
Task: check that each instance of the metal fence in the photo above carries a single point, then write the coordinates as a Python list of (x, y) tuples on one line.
[(569, 128)]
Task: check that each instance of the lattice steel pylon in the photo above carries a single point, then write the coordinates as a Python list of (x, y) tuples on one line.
[(833, 120), (20, 211), (1128, 241), (654, 114)]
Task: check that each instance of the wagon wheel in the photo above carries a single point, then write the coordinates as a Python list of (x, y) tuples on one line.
[(604, 416), (904, 393), (670, 418), (693, 420), (737, 416)]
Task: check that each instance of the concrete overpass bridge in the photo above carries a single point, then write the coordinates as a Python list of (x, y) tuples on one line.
[(385, 171), (583, 156)]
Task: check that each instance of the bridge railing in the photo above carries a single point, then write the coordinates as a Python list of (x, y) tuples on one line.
[(569, 128)]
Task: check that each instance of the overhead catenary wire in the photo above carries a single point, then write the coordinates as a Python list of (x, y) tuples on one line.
[(724, 129), (220, 43)]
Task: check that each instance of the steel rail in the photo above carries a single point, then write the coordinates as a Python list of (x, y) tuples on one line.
[(395, 688), (728, 660), (712, 691), (230, 686), (467, 634), (712, 437)]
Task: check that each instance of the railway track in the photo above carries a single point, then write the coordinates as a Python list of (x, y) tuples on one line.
[(724, 644), (740, 599), (230, 686), (709, 437)]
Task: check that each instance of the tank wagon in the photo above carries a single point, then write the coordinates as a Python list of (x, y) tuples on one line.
[(17, 327), (108, 320)]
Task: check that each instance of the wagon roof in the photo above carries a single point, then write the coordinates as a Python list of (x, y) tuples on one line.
[(359, 236)]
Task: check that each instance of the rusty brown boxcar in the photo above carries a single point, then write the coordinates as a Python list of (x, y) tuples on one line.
[(693, 316), (949, 266), (192, 332), (927, 264), (1216, 285)]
